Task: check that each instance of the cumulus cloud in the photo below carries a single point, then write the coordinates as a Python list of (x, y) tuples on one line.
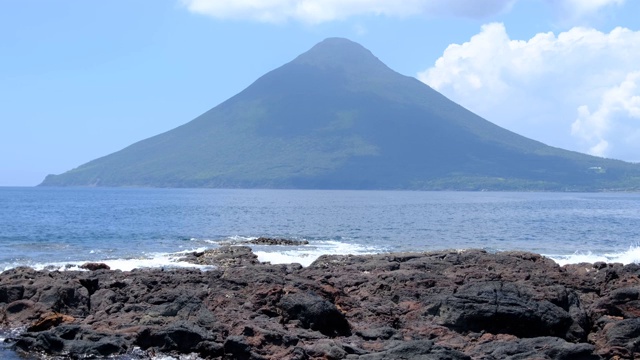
[(619, 103), (579, 89), (318, 11)]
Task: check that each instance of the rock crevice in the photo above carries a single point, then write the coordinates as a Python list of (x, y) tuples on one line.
[(441, 305)]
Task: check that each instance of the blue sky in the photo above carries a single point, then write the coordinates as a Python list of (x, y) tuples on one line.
[(82, 79)]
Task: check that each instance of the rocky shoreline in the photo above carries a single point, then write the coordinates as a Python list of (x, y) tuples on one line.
[(440, 305)]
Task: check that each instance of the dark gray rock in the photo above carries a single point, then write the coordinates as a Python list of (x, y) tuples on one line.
[(181, 337), (314, 312), (326, 349), (224, 256), (418, 350), (277, 241), (73, 341), (624, 302), (547, 348), (501, 308), (237, 348), (95, 266), (382, 333), (11, 293), (625, 334)]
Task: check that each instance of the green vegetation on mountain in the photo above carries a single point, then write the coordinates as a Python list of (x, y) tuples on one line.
[(338, 118)]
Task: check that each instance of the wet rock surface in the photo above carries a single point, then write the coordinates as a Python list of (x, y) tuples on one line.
[(441, 305), (277, 241), (223, 256)]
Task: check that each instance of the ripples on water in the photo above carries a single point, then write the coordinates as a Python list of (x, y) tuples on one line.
[(143, 227)]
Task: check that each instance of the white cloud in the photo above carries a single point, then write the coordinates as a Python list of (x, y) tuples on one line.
[(574, 10), (588, 6), (360, 29), (318, 11), (578, 90), (619, 103)]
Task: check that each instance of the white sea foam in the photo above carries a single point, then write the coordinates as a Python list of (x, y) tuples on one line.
[(156, 260), (632, 255), (177, 357), (305, 255), (232, 240)]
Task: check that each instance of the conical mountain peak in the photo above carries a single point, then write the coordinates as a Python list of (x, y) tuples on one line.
[(341, 53), (336, 117)]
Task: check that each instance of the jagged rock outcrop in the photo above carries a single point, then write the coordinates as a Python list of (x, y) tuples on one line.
[(441, 305)]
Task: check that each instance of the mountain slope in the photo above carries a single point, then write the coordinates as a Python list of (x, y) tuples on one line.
[(337, 117)]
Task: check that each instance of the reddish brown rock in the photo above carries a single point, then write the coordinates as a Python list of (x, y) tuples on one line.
[(441, 305), (49, 321)]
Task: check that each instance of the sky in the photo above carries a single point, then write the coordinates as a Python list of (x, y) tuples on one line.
[(82, 79)]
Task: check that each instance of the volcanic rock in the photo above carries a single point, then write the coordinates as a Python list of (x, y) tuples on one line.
[(314, 312), (224, 256), (275, 241), (440, 305), (94, 266)]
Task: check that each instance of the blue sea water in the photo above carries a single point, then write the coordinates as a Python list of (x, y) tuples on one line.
[(127, 228), (59, 228)]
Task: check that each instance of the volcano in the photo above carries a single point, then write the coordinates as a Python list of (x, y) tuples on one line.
[(336, 117)]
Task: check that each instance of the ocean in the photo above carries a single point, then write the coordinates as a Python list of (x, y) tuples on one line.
[(62, 228)]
